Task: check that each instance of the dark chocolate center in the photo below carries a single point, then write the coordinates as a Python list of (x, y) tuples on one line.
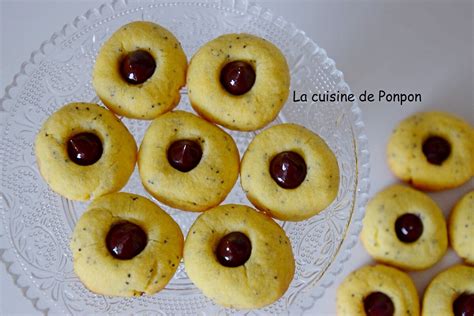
[(378, 304), (125, 240), (184, 155), (84, 149), (463, 305), (136, 67), (288, 169), (237, 77), (436, 150), (234, 249), (408, 227)]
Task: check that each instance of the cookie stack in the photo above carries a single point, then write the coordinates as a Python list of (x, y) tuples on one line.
[(124, 244), (405, 228)]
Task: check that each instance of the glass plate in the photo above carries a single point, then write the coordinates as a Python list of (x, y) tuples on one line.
[(37, 223)]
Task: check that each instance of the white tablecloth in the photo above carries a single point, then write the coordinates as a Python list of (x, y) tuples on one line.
[(399, 46)]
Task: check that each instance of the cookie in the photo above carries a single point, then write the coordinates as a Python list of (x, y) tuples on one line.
[(125, 245), (377, 290), (187, 162), (450, 293), (84, 151), (238, 257), (461, 227), (139, 71), (289, 172), (432, 151), (239, 81), (405, 228)]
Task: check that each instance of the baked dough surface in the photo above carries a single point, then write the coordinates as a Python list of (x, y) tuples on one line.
[(252, 110), (265, 276), (157, 95), (406, 158), (445, 288), (461, 227), (109, 174), (314, 194), (149, 271), (378, 230), (208, 183), (378, 278)]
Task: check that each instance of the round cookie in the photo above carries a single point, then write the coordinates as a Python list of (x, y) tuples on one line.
[(289, 172), (239, 81), (104, 270), (450, 293), (432, 151), (405, 228), (187, 162), (85, 151), (226, 270), (377, 290), (461, 227), (139, 71)]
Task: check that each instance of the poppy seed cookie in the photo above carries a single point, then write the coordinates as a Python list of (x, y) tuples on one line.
[(125, 245), (239, 81)]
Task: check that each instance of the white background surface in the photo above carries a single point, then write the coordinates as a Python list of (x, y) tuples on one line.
[(400, 46)]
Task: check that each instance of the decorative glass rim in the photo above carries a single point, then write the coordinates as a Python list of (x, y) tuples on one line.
[(250, 7)]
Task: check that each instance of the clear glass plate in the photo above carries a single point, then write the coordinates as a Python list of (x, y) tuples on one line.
[(37, 223)]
